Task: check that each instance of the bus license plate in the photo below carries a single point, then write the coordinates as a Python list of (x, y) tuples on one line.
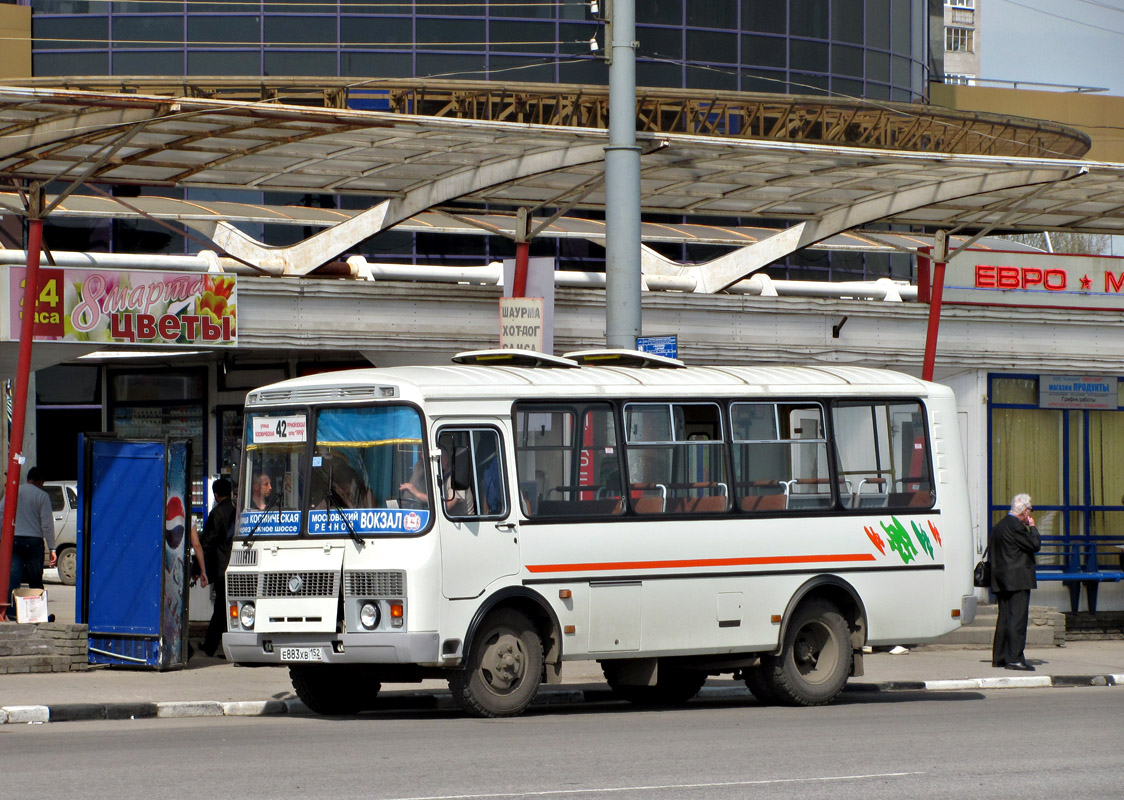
[(302, 654)]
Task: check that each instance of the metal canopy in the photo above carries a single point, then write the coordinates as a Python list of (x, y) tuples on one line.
[(52, 135), (417, 163)]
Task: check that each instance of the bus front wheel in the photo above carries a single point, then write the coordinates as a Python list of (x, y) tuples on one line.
[(502, 671), (334, 689), (815, 660)]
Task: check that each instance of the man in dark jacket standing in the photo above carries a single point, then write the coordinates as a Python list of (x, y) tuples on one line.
[(218, 536), (1013, 542)]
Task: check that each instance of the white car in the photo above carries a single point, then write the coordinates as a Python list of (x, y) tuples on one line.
[(64, 506)]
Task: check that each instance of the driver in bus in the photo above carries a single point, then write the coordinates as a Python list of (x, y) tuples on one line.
[(259, 492)]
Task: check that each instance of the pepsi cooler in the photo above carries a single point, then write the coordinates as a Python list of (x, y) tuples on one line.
[(133, 548)]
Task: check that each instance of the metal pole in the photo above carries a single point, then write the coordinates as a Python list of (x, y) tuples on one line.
[(19, 402), (622, 185), (522, 253), (940, 256)]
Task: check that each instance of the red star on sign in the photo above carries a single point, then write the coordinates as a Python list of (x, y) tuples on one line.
[(1086, 282)]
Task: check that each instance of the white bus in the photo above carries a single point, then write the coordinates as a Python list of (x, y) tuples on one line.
[(486, 521)]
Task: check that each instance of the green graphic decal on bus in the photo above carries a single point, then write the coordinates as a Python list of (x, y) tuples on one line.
[(900, 540)]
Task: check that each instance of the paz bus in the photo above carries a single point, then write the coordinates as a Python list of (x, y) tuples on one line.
[(484, 522)]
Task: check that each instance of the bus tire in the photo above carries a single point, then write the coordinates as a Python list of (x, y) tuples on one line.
[(503, 669), (759, 686), (334, 689), (674, 687), (815, 660)]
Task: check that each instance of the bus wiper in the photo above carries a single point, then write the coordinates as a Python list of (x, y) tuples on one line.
[(330, 502), (272, 504)]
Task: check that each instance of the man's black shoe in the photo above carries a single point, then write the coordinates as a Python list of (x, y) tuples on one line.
[(999, 664), (1021, 666)]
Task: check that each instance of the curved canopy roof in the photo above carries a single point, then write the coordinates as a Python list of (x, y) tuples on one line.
[(50, 135), (413, 163)]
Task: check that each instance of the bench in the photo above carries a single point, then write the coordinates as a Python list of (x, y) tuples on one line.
[(1085, 561)]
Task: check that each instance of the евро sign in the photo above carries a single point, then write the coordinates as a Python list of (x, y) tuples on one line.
[(995, 277), (127, 307), (1077, 391)]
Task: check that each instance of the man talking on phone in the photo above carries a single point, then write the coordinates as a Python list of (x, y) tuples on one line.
[(1013, 542)]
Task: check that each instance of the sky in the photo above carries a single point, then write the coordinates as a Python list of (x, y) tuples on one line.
[(1077, 42)]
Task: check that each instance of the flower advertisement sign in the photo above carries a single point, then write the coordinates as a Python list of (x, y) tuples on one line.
[(128, 307)]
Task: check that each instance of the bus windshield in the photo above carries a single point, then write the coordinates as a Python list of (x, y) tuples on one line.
[(365, 473), (368, 472)]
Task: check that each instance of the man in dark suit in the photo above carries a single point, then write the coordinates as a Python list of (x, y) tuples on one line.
[(218, 535), (1013, 542)]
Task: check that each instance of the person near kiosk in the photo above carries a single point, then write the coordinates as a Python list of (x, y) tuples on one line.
[(1013, 542), (217, 539), (35, 524)]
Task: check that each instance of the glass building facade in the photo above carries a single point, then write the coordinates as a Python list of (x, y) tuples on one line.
[(856, 48), (873, 49)]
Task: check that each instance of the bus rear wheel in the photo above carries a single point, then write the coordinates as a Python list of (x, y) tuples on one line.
[(815, 659), (334, 689), (503, 668), (673, 687)]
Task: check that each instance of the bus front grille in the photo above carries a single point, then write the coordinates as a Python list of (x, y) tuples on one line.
[(242, 584), (299, 584), (241, 557), (375, 584)]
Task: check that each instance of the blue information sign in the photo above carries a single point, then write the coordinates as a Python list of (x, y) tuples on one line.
[(366, 521), (270, 523), (659, 345)]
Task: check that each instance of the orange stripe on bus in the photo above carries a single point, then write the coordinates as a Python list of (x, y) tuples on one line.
[(700, 562)]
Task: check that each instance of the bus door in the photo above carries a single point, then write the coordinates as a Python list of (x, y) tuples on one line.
[(479, 539)]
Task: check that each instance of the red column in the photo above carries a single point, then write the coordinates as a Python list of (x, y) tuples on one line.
[(519, 280), (935, 294), (19, 407)]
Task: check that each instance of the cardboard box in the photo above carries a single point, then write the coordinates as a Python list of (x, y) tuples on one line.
[(31, 605)]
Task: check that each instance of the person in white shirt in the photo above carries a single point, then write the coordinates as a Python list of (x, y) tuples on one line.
[(34, 525)]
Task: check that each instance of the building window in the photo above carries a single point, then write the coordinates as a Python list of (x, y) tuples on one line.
[(960, 80), (958, 40), (960, 3)]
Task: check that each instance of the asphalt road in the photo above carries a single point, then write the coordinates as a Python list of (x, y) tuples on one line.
[(1004, 743)]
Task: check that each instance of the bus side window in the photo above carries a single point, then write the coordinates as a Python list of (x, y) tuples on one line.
[(883, 452), (676, 458), (472, 477), (488, 459), (780, 457), (568, 460)]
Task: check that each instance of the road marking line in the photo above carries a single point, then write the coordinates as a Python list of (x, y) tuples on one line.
[(658, 787)]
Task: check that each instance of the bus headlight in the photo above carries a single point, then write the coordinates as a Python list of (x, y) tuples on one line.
[(369, 615), (246, 616)]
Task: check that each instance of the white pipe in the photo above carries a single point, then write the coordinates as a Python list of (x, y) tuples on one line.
[(206, 261), (490, 275), (881, 289)]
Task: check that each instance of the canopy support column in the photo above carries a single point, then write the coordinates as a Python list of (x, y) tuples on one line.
[(19, 400)]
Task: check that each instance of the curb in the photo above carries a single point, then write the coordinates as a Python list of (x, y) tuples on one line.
[(443, 700)]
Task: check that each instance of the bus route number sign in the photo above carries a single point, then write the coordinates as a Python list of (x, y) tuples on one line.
[(279, 430)]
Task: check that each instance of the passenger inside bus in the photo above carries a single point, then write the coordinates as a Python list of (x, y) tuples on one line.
[(337, 483), (456, 493)]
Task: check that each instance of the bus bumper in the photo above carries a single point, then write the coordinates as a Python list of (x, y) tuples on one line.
[(346, 648)]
